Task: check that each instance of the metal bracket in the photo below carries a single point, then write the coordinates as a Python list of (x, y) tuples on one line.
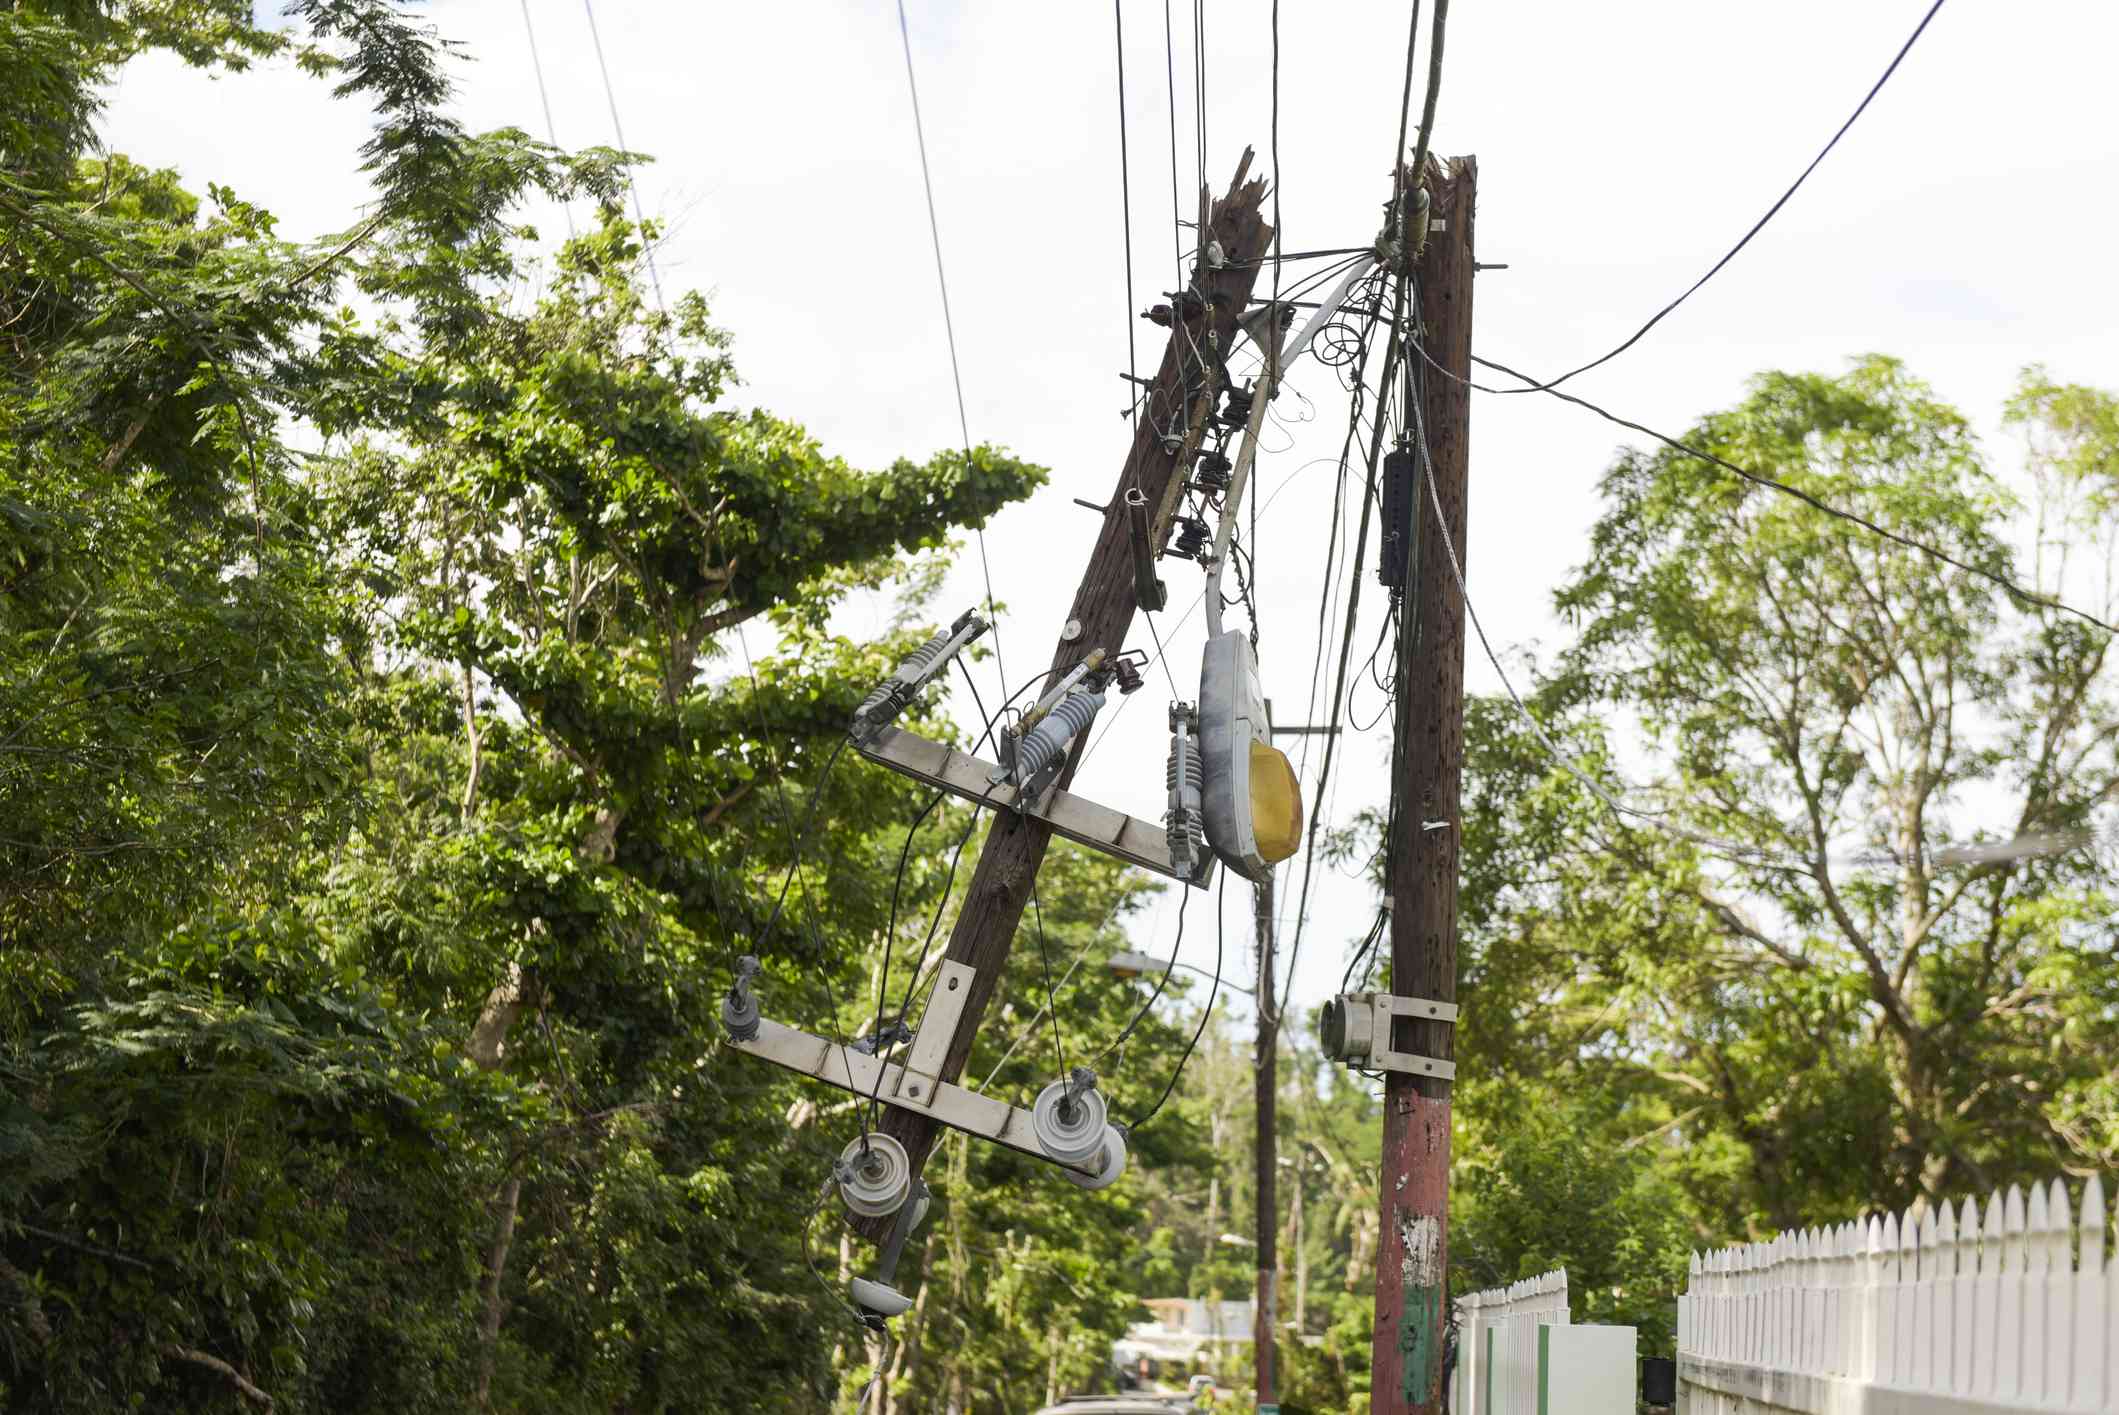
[(922, 1078), (905, 1087), (1081, 820), (1355, 1029)]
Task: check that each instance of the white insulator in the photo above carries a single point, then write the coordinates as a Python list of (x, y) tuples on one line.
[(875, 1176), (1070, 1133), (1049, 738), (880, 1298), (1111, 1163)]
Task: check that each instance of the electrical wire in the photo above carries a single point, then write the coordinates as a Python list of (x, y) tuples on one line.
[(551, 129), (1756, 226), (956, 372), (1392, 224), (1346, 641), (1213, 995), (1177, 240), (1125, 194), (934, 924), (610, 97), (1434, 91), (1044, 963), (2002, 582), (1764, 857), (1184, 898)]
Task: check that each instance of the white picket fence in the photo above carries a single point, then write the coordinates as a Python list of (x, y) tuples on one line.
[(1497, 1343), (1946, 1311)]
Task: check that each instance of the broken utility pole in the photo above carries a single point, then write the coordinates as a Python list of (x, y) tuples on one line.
[(1101, 616), (1412, 1288)]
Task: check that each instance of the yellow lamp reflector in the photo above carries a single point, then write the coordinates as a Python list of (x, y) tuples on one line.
[(1276, 803)]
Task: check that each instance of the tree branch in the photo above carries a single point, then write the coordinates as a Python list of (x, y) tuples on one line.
[(220, 1368)]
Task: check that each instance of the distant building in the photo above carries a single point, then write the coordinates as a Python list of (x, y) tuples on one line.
[(1182, 1327)]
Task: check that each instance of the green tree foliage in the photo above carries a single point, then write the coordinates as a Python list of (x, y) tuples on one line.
[(1828, 1014), (389, 787)]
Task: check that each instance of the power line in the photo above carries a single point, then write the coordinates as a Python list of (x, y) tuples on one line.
[(1434, 92), (1213, 995), (2019, 847), (610, 96), (1757, 226), (1177, 241), (551, 129), (2003, 582), (1125, 200), (956, 372)]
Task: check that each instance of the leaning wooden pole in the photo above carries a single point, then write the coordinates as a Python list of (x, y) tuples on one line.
[(1101, 617), (1412, 1260)]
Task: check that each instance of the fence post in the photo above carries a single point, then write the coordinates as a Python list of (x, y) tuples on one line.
[(2087, 1382), (1920, 1240)]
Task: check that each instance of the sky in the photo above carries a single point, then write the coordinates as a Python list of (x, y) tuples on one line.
[(1964, 224)]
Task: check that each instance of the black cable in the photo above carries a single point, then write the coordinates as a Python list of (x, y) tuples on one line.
[(1756, 227), (934, 924), (1434, 91), (1213, 995), (1346, 642), (1125, 196), (1363, 950), (1405, 114), (1170, 967), (1199, 97), (2003, 582), (1044, 963), (808, 819)]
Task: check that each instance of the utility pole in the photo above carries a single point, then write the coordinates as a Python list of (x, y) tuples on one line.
[(1101, 616), (1267, 1078), (1412, 1258), (1266, 1058)]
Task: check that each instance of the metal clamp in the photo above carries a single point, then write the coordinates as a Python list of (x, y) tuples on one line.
[(1355, 1030)]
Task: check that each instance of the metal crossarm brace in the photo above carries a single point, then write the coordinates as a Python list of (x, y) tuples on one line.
[(1128, 838), (913, 1086), (1363, 1021)]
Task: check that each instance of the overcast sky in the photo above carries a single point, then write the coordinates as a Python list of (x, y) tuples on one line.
[(1965, 225)]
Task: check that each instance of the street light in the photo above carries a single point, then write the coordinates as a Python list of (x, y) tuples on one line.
[(1127, 964)]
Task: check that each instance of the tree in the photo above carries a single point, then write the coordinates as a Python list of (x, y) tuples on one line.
[(1826, 1010)]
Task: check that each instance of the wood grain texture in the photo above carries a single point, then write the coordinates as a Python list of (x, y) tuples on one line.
[(1014, 846), (1413, 1250)]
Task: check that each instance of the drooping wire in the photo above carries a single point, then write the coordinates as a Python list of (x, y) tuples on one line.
[(1205, 1015), (610, 97), (1756, 226), (1935, 552), (934, 924), (1183, 899), (956, 373), (1757, 855)]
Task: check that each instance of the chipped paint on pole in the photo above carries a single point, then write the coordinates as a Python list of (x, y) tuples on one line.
[(1412, 1296)]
